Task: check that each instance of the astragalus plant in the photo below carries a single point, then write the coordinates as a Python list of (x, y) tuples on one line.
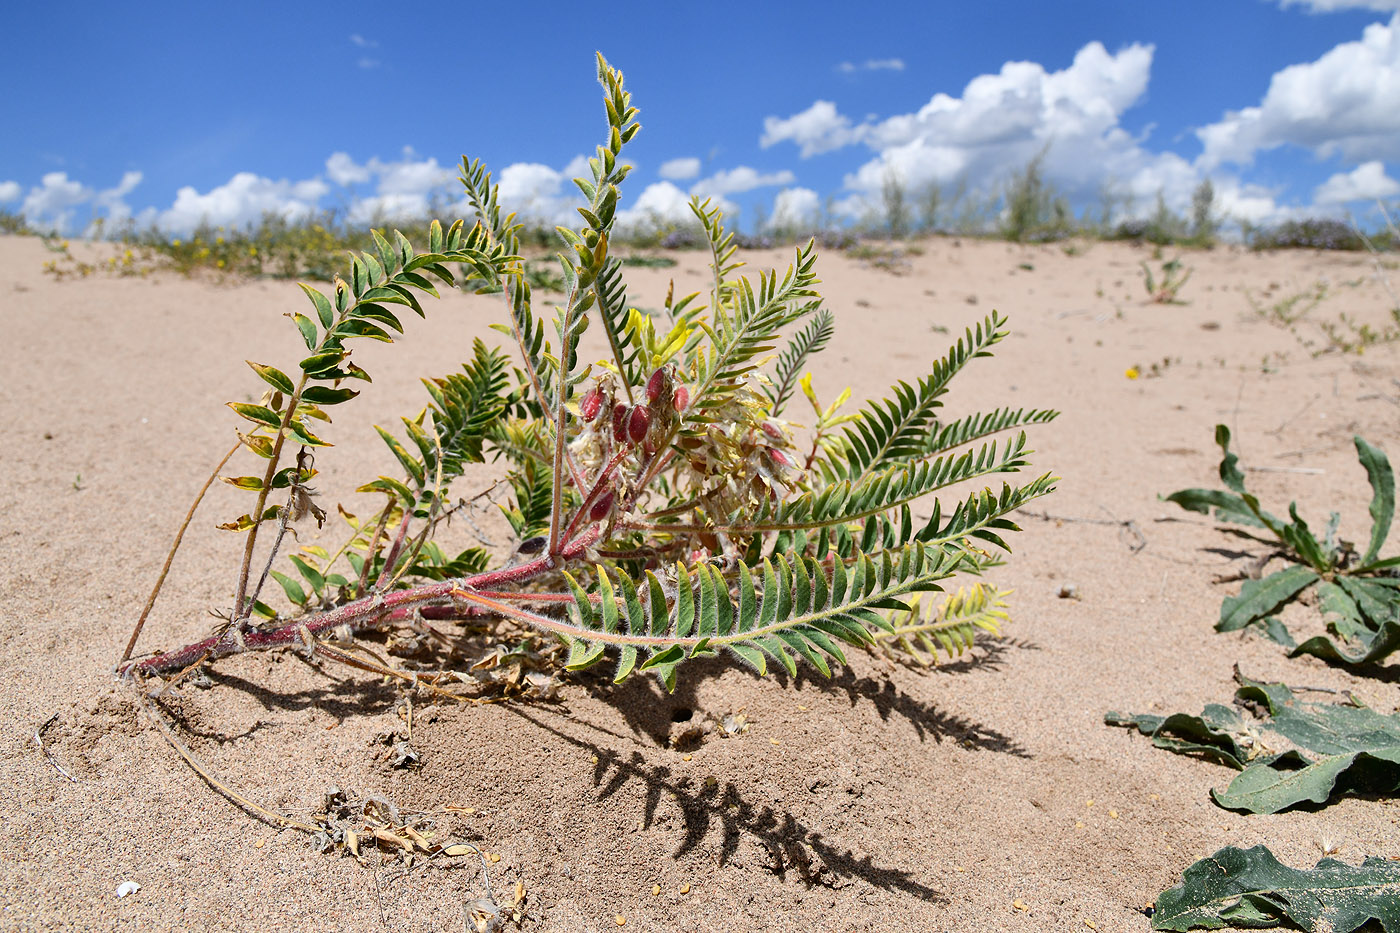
[(668, 502)]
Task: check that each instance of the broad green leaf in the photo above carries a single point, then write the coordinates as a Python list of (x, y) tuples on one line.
[(273, 377), (1369, 649), (324, 395), (291, 587), (1218, 734), (1228, 506), (1260, 598), (323, 306), (1382, 480), (1251, 888), (1337, 749), (244, 482), (258, 414), (307, 328), (320, 362)]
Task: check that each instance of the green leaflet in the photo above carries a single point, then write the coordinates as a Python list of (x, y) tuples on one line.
[(791, 608), (1251, 888), (1337, 749)]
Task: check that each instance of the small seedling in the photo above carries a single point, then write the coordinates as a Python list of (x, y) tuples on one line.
[(1163, 290), (1359, 591)]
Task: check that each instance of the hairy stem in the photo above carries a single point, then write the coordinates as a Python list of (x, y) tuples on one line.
[(364, 613), (240, 609), (170, 555)]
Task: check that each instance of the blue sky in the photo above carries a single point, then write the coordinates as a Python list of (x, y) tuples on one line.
[(175, 113)]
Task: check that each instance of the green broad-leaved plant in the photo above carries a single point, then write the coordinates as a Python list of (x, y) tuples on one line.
[(669, 502), (1359, 591)]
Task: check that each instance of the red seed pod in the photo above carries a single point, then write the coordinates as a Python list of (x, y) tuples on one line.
[(682, 398), (637, 424), (592, 404), (780, 458), (772, 431), (656, 386), (619, 420), (601, 506)]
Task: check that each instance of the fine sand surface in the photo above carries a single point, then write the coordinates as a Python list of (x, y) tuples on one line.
[(982, 795)]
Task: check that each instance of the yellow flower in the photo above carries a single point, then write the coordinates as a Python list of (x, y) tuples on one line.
[(252, 251), (221, 263), (1132, 372), (174, 242)]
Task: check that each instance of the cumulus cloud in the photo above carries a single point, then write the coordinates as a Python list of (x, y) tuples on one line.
[(1366, 182), (872, 64), (112, 201), (795, 209), (661, 205), (404, 188), (53, 203), (819, 128), (362, 42), (343, 170), (996, 126), (243, 199), (10, 191), (679, 169), (738, 180), (1347, 102)]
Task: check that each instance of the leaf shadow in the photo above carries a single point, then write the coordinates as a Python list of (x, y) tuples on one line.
[(790, 844), (652, 712), (342, 698)]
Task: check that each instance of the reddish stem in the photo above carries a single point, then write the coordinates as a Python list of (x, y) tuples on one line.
[(363, 613)]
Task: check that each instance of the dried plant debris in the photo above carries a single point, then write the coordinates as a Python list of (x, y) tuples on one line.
[(1293, 753), (1251, 888), (1360, 593)]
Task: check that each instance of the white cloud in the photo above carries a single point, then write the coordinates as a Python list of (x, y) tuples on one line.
[(53, 203), (10, 191), (362, 42), (367, 63), (1347, 102), (819, 128), (1366, 182), (795, 209), (344, 170), (873, 64), (662, 204), (113, 200), (679, 169), (738, 180), (243, 199), (1332, 6), (403, 191), (998, 124)]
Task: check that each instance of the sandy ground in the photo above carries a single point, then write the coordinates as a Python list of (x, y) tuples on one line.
[(985, 795)]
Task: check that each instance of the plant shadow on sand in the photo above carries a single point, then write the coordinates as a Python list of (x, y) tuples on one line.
[(652, 712), (795, 850)]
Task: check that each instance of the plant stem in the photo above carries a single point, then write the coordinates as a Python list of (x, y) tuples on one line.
[(170, 556), (252, 539), (363, 613)]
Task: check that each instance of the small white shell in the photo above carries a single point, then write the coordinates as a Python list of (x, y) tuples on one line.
[(127, 887)]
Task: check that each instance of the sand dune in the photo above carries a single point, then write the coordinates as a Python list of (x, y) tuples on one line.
[(886, 798)]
